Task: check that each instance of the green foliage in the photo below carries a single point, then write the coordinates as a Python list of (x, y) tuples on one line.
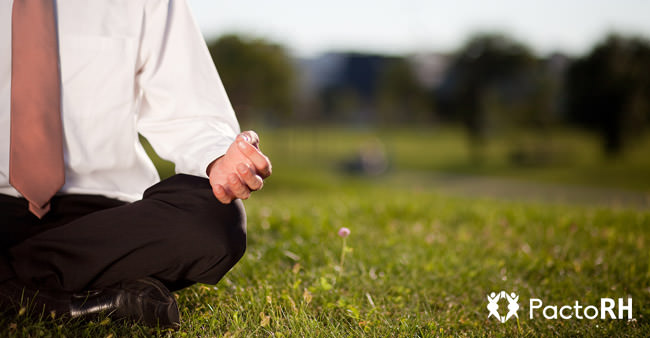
[(609, 90), (490, 58), (259, 76), (490, 76), (400, 97)]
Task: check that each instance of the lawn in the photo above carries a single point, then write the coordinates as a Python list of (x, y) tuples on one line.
[(419, 263)]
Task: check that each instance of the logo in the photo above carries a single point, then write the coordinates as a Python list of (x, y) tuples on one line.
[(608, 308), (578, 311), (493, 305)]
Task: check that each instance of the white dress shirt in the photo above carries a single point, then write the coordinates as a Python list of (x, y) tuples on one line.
[(127, 67)]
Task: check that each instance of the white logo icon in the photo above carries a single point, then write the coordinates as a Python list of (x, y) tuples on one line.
[(493, 305)]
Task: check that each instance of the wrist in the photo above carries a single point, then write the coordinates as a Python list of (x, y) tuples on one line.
[(208, 170)]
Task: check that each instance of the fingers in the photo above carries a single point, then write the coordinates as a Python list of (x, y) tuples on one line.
[(251, 137), (237, 187), (221, 194), (247, 174), (260, 161), (248, 143)]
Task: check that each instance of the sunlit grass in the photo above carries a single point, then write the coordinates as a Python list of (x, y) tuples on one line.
[(421, 265), (421, 262)]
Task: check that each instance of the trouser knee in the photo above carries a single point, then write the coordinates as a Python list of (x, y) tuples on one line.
[(210, 236)]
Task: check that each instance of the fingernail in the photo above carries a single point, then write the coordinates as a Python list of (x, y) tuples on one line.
[(245, 137), (241, 145)]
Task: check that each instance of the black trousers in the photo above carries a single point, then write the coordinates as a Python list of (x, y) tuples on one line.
[(178, 233)]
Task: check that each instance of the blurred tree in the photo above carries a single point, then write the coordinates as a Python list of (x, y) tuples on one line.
[(609, 90), (258, 75), (489, 76), (343, 104), (400, 97)]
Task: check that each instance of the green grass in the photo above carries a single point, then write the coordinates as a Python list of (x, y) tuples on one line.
[(420, 263), (556, 156)]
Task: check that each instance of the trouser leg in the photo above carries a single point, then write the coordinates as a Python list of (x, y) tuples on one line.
[(18, 224), (178, 233)]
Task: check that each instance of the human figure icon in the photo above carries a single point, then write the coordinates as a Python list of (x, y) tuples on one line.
[(493, 305), (513, 298)]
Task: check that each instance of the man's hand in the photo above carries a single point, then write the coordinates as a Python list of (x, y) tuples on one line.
[(241, 170)]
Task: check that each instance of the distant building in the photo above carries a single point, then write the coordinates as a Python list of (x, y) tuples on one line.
[(345, 85)]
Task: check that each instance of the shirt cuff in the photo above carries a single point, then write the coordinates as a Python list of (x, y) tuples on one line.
[(208, 157)]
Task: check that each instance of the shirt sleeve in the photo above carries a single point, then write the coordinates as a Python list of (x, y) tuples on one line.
[(184, 110)]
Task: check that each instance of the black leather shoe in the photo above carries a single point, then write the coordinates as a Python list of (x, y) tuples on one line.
[(144, 300)]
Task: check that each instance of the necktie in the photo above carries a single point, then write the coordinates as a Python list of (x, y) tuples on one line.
[(36, 147)]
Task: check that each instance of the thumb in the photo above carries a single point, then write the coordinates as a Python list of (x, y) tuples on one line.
[(250, 137)]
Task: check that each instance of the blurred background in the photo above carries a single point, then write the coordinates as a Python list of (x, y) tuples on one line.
[(516, 99), (420, 125)]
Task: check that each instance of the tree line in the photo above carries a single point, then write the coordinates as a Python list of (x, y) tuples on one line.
[(491, 83)]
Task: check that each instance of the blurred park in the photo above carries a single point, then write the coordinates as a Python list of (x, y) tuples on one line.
[(489, 166), (459, 172), (493, 108), (552, 93)]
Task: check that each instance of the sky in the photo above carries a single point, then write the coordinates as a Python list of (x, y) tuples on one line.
[(308, 27)]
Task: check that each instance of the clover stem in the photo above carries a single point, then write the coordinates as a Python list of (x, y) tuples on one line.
[(342, 258)]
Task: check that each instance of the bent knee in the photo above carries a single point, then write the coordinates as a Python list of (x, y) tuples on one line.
[(235, 235), (219, 230)]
